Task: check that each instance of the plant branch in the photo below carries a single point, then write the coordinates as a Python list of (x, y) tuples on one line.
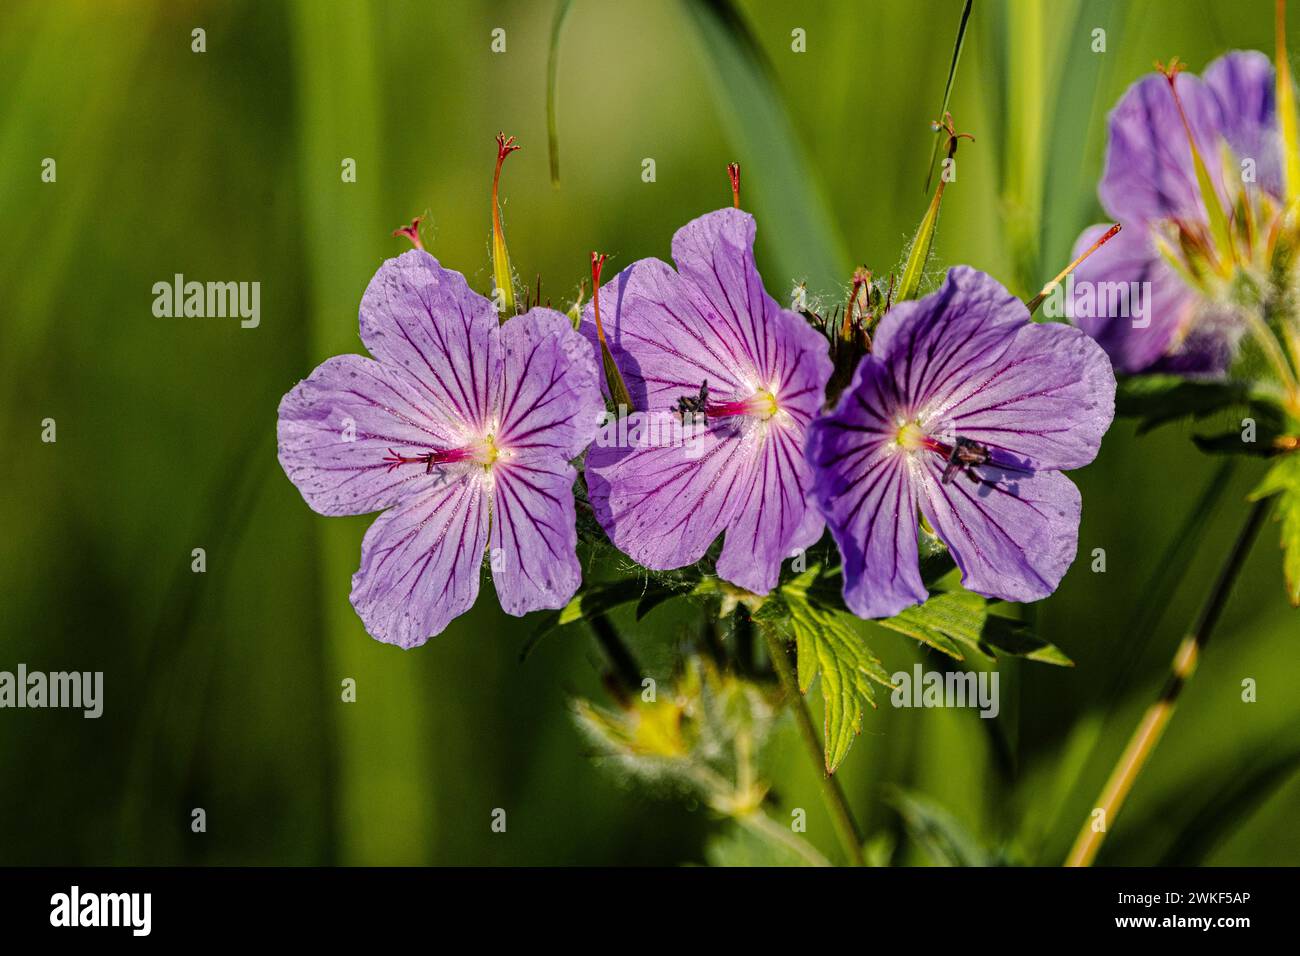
[(845, 828), (760, 823), (1157, 716), (620, 658)]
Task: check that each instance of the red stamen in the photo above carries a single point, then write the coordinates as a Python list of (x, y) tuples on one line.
[(857, 302), (733, 171), (597, 262), (505, 146), (936, 446), (428, 459), (411, 232), (1033, 304)]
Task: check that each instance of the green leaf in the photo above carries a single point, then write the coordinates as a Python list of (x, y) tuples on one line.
[(602, 598), (943, 619), (1160, 399), (737, 846), (938, 833), (1283, 480), (960, 617), (829, 643), (1015, 638)]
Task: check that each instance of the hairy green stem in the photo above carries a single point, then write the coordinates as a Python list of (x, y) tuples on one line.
[(845, 828), (1157, 716)]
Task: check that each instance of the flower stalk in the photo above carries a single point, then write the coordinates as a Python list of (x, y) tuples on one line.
[(1157, 716), (833, 795), (613, 377), (501, 271), (910, 284)]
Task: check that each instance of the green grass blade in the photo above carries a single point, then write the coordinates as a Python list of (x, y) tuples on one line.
[(552, 75), (947, 88), (384, 781)]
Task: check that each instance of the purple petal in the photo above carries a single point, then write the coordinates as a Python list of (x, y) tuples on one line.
[(671, 332), (1178, 331), (773, 516), (1013, 535), (1134, 345), (1149, 170), (420, 561), (335, 429), (420, 317), (1047, 403), (710, 320), (663, 505), (864, 489), (932, 345), (534, 537), (663, 347), (1244, 83), (550, 400), (716, 254)]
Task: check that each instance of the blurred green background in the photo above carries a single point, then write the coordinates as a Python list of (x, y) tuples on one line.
[(223, 688)]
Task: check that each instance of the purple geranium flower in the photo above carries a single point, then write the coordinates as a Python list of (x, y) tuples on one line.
[(968, 411), (708, 339), (464, 430), (1189, 239)]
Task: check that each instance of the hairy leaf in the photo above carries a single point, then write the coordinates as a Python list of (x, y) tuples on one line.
[(829, 643), (1283, 480), (960, 617)]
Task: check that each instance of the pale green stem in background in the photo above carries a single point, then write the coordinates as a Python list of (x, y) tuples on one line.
[(1157, 716)]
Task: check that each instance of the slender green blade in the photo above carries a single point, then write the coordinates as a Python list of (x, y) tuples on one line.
[(552, 77), (947, 87), (338, 80)]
